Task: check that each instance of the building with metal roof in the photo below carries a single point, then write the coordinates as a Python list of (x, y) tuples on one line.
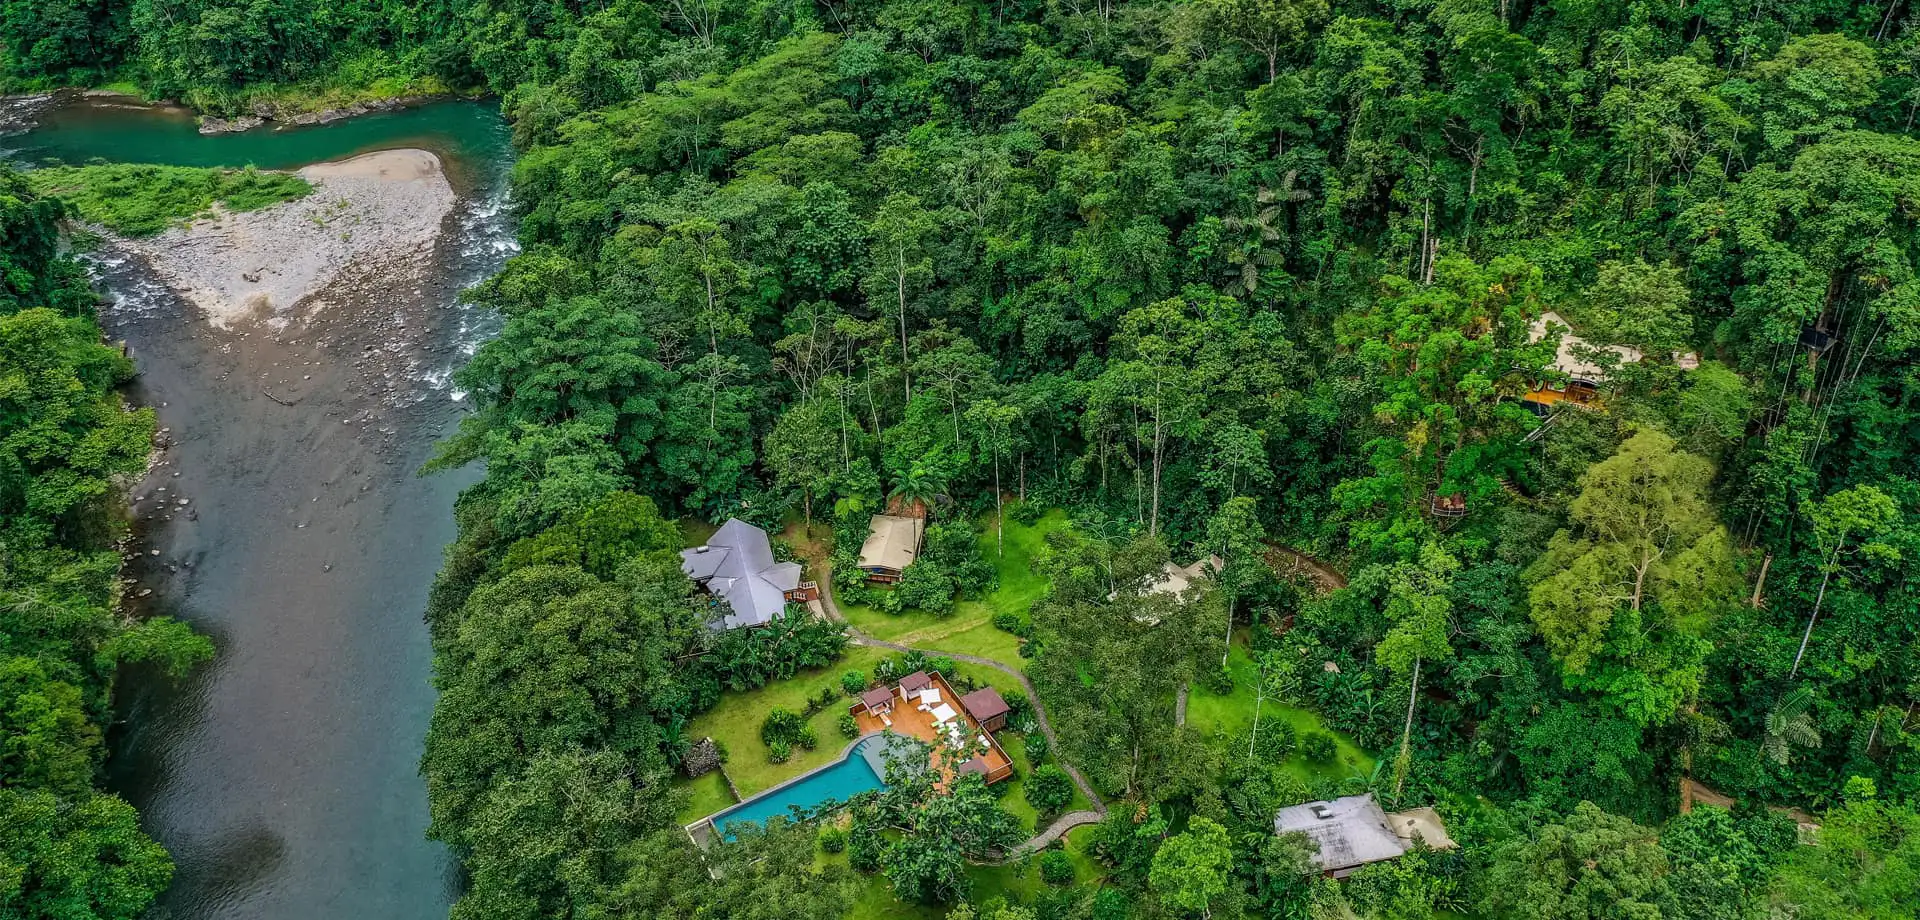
[(1353, 831), (736, 567)]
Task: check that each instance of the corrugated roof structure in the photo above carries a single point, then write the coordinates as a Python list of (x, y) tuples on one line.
[(1573, 365), (877, 699), (736, 566), (1352, 831), (1176, 579), (892, 543)]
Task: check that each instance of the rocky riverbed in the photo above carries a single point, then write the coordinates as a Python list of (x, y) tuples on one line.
[(369, 216)]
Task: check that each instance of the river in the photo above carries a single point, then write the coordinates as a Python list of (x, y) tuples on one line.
[(286, 520)]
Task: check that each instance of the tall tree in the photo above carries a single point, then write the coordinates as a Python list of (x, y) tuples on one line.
[(1644, 532), (1854, 516)]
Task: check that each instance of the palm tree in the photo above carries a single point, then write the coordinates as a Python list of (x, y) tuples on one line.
[(1789, 725), (1255, 232), (918, 486)]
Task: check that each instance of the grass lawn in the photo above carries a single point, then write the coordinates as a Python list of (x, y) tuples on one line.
[(969, 629), (694, 531), (1019, 882), (705, 795), (735, 723), (1233, 713)]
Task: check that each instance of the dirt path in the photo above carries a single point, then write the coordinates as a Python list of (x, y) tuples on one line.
[(1290, 560), (1065, 822)]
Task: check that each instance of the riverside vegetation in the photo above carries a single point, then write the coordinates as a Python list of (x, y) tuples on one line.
[(67, 447), (1209, 275), (134, 199)]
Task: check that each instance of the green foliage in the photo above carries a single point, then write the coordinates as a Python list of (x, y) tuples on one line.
[(142, 200), (1319, 747), (1621, 601), (747, 658), (1056, 867), (833, 840), (1862, 867), (847, 725), (1211, 275), (939, 831), (1191, 870), (1589, 867), (83, 857), (781, 725), (1049, 789)]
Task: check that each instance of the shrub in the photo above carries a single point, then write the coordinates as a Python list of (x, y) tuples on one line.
[(820, 701), (780, 725), (864, 844), (1011, 622), (1049, 789), (807, 738), (1019, 710), (943, 664), (832, 839), (1038, 747), (1025, 513), (848, 727), (1112, 904), (1219, 681), (1319, 747), (1056, 868), (923, 587), (853, 682), (779, 752), (1275, 740)]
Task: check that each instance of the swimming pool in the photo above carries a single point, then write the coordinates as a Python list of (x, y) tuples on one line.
[(852, 775)]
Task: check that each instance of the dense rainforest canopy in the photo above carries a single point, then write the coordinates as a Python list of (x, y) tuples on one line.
[(1211, 275)]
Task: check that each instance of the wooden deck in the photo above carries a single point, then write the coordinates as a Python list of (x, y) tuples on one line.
[(909, 720), (1576, 397)]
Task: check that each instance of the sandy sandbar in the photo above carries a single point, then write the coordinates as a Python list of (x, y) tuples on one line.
[(365, 213)]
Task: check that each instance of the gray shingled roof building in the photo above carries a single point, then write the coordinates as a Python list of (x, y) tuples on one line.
[(736, 566), (1352, 831)]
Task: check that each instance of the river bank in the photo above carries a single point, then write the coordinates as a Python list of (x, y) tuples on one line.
[(284, 517), (270, 107)]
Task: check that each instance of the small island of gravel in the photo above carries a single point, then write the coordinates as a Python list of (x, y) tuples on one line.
[(371, 215)]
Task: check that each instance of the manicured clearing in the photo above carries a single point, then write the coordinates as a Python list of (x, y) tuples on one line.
[(1019, 882), (705, 796), (969, 629), (142, 200), (735, 723), (1233, 714)]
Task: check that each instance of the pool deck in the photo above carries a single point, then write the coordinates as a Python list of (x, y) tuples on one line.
[(908, 719), (704, 833)]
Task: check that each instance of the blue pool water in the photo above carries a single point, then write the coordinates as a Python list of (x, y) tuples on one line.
[(841, 781)]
